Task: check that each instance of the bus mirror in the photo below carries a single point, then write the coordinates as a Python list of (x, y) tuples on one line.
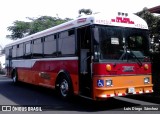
[(96, 52)]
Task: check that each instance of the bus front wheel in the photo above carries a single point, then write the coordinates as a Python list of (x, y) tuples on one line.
[(64, 88)]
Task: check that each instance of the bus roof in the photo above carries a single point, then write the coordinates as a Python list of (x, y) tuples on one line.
[(111, 19)]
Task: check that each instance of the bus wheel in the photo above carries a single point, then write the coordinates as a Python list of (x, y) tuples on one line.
[(15, 77), (65, 90)]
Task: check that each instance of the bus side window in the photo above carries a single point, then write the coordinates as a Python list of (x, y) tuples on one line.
[(8, 53), (37, 48), (20, 50), (27, 51), (66, 43), (50, 46), (14, 51)]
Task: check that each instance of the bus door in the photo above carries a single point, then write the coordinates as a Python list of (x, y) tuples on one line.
[(85, 80)]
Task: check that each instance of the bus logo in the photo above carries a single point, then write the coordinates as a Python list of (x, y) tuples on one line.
[(44, 75), (122, 20), (128, 68)]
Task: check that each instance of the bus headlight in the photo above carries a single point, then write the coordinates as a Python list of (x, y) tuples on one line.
[(146, 80), (146, 67), (108, 82), (108, 67)]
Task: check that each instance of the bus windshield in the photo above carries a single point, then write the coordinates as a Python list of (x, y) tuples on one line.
[(121, 44)]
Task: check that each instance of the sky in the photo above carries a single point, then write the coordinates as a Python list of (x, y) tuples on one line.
[(12, 10)]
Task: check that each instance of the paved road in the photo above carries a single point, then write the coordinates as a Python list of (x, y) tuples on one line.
[(25, 94)]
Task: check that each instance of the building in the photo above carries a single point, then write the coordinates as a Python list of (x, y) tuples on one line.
[(155, 9)]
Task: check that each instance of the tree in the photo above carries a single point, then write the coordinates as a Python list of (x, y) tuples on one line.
[(85, 11), (21, 29), (45, 22), (154, 28), (152, 21)]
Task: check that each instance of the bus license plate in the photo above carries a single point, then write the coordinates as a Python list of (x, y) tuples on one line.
[(131, 90)]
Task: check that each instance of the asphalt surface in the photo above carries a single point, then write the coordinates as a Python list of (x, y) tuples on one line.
[(25, 95)]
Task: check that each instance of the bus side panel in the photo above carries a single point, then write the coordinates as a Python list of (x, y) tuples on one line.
[(34, 77), (26, 75), (44, 73)]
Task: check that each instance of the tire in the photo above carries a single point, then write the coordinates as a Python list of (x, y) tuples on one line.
[(15, 77), (64, 88)]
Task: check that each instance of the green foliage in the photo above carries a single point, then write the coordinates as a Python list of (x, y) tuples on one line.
[(152, 21), (154, 28), (21, 28), (85, 11)]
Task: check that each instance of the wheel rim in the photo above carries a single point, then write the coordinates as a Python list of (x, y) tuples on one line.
[(64, 88)]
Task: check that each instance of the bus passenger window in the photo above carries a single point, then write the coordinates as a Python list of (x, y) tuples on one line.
[(66, 43), (37, 50), (50, 46)]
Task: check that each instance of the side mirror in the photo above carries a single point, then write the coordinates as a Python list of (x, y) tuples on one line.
[(96, 52)]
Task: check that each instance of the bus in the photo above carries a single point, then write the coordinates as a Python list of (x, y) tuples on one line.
[(95, 56)]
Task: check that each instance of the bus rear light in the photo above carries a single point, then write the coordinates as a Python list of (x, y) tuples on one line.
[(109, 83), (108, 67), (146, 80), (146, 67)]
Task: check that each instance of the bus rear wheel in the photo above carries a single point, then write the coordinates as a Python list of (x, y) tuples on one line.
[(15, 77)]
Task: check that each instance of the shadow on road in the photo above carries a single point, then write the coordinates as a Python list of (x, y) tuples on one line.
[(26, 94)]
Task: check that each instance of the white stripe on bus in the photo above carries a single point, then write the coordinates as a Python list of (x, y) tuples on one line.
[(28, 63)]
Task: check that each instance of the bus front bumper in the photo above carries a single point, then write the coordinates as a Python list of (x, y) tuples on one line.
[(101, 93), (121, 86)]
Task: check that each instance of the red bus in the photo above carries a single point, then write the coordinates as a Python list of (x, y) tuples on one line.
[(94, 56)]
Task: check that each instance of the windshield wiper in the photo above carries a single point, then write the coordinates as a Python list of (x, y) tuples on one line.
[(138, 60), (127, 53), (123, 54)]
